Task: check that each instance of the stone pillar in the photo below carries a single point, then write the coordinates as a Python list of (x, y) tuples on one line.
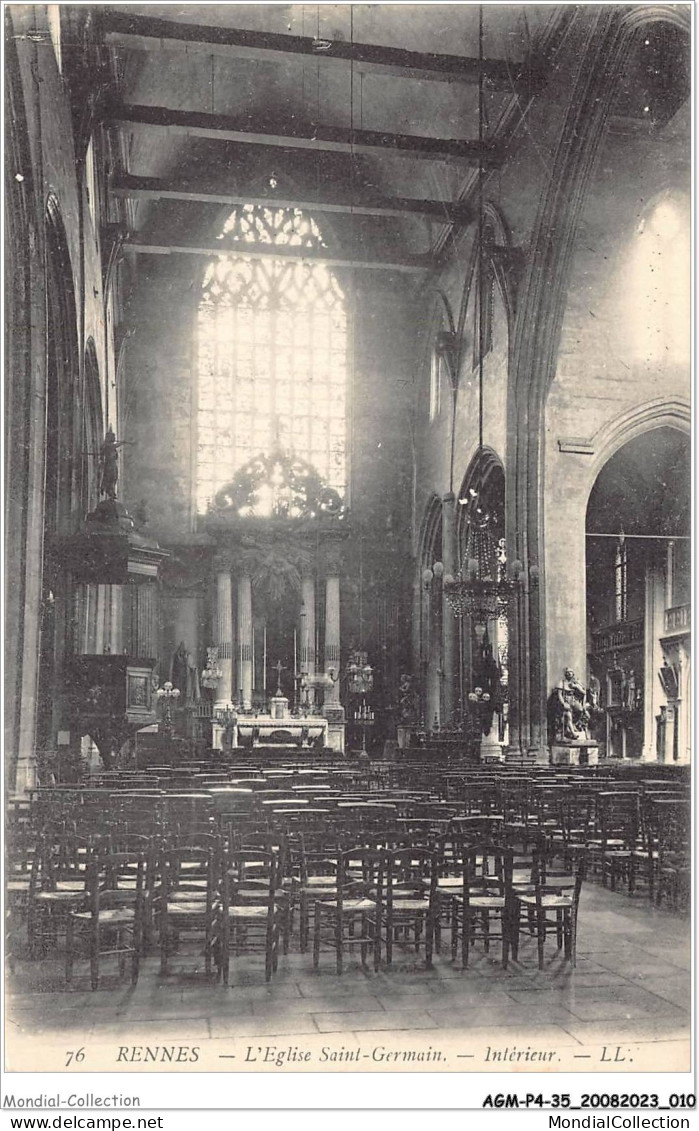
[(245, 639), (90, 618), (332, 708), (682, 716), (416, 625), (435, 669), (25, 502), (449, 626), (670, 728), (224, 636), (101, 637), (147, 620), (653, 627), (332, 638), (307, 632), (115, 619), (79, 619)]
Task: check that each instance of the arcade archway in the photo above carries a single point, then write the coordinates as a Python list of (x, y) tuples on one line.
[(638, 564)]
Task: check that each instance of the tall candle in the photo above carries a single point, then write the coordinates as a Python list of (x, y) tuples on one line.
[(264, 657), (295, 667)]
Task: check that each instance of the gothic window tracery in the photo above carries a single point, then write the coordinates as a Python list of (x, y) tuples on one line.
[(272, 354)]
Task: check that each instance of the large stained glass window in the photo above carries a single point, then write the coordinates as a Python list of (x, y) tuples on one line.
[(272, 354)]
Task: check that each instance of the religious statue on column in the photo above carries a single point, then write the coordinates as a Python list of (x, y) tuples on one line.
[(109, 464)]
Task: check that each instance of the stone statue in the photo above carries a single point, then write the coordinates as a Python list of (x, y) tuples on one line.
[(109, 457), (569, 710), (193, 693), (178, 668), (487, 672)]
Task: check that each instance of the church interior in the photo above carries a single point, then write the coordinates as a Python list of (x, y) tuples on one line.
[(347, 527)]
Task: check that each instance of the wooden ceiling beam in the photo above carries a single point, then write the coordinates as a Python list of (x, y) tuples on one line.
[(300, 255), (150, 188), (148, 33), (338, 139)]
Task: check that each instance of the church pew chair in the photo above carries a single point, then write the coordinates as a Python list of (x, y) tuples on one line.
[(253, 913)]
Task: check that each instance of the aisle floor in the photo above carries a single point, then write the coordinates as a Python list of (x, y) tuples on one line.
[(629, 997)]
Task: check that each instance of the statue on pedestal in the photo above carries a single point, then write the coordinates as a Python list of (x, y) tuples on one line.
[(569, 711), (178, 668), (109, 464)]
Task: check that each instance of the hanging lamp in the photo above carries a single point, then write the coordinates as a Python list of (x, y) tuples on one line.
[(482, 588)]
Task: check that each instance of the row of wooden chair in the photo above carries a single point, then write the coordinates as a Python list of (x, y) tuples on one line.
[(235, 898)]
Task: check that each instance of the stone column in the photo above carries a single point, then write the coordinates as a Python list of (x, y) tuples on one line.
[(682, 716), (307, 633), (25, 514), (147, 620), (332, 637), (670, 728), (90, 618), (449, 627), (224, 635), (416, 626), (101, 636), (115, 619), (653, 627), (79, 619), (245, 639)]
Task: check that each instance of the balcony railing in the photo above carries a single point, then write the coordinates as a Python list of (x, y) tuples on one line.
[(678, 619), (623, 634)]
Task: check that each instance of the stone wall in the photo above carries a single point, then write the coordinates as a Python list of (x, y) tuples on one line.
[(42, 161), (619, 360)]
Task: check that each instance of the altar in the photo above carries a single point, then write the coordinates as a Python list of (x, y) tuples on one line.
[(274, 728), (264, 730)]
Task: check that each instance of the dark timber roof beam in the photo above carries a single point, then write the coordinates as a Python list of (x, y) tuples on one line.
[(338, 139), (300, 255), (150, 188), (148, 33)]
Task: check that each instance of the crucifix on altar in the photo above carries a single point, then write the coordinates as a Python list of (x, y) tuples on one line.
[(279, 704), (279, 667)]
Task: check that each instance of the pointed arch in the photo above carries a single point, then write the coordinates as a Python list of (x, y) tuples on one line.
[(486, 470)]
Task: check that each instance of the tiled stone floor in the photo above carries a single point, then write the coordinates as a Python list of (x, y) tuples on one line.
[(630, 990)]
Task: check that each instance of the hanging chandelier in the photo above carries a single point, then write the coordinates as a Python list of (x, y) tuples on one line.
[(482, 588)]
